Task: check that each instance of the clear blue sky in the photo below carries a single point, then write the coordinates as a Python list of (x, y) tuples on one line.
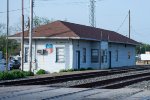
[(109, 14)]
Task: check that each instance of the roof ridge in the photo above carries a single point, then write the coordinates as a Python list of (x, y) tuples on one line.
[(63, 22)]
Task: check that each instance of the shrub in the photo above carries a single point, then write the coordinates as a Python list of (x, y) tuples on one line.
[(82, 69), (7, 76), (41, 71), (28, 73), (89, 68), (14, 74), (1, 74), (63, 70), (17, 74), (67, 70)]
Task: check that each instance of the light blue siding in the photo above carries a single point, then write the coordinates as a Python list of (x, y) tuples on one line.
[(48, 61)]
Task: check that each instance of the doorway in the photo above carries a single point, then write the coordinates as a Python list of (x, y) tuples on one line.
[(109, 59), (78, 59)]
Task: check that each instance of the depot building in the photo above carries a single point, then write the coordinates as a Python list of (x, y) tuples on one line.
[(64, 45)]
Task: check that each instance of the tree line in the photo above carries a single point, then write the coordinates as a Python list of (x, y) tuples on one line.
[(14, 46)]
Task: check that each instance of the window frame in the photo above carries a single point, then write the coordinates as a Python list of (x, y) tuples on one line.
[(94, 61), (129, 55), (84, 55), (117, 53), (57, 55), (26, 54)]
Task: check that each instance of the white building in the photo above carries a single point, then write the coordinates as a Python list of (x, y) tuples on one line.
[(63, 45)]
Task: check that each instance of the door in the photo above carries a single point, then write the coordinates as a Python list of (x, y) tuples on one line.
[(109, 59), (78, 59)]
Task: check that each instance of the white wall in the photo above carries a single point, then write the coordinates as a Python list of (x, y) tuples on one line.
[(48, 61), (122, 55), (145, 57)]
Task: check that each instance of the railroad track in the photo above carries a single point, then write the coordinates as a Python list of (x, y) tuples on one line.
[(58, 79), (115, 83)]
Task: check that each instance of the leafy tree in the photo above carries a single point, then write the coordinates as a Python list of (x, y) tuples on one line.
[(142, 48), (37, 21), (13, 45)]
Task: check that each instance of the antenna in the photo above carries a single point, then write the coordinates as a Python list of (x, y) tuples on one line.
[(92, 18)]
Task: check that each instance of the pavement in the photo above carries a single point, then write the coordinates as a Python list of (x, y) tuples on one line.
[(58, 93)]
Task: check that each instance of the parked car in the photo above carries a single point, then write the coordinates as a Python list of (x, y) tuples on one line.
[(14, 64)]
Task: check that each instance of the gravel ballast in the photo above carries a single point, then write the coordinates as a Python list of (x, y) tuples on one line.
[(141, 85), (90, 80)]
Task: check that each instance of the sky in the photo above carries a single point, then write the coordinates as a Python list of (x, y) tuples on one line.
[(110, 14)]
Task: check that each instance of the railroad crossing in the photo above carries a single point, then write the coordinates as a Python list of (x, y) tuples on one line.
[(55, 93)]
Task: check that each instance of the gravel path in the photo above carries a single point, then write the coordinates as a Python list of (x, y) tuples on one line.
[(89, 80), (141, 85)]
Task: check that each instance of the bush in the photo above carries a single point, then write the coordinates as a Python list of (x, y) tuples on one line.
[(41, 71), (1, 74), (27, 73), (7, 76), (67, 70), (14, 74), (89, 68), (82, 69), (71, 70), (17, 74)]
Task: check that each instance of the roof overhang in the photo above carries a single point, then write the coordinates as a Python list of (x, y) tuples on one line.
[(124, 43), (54, 38)]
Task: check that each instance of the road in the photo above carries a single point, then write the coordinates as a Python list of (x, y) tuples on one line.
[(46, 92)]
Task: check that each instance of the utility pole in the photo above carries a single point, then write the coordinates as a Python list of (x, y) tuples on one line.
[(7, 35), (30, 35), (92, 18), (22, 40), (129, 24)]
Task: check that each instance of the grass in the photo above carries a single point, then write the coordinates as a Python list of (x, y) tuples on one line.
[(72, 70)]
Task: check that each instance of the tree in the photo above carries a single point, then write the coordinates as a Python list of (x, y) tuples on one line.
[(37, 21), (13, 45), (142, 48)]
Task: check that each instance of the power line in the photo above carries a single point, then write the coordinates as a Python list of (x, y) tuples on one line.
[(122, 23), (14, 10)]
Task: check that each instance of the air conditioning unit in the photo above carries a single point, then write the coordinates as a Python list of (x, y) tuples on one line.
[(41, 52)]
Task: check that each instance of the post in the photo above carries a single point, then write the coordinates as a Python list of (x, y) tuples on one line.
[(129, 24), (30, 35), (7, 35), (22, 40)]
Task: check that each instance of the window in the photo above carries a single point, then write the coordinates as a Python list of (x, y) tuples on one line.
[(104, 56), (84, 55), (60, 55), (26, 54), (116, 55), (129, 55), (94, 55)]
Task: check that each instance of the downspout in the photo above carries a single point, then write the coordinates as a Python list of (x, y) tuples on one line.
[(100, 51)]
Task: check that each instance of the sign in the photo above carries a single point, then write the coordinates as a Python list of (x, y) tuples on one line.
[(49, 48)]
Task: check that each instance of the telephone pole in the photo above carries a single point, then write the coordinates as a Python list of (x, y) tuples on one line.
[(92, 18), (129, 24), (30, 35), (22, 40), (7, 35)]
